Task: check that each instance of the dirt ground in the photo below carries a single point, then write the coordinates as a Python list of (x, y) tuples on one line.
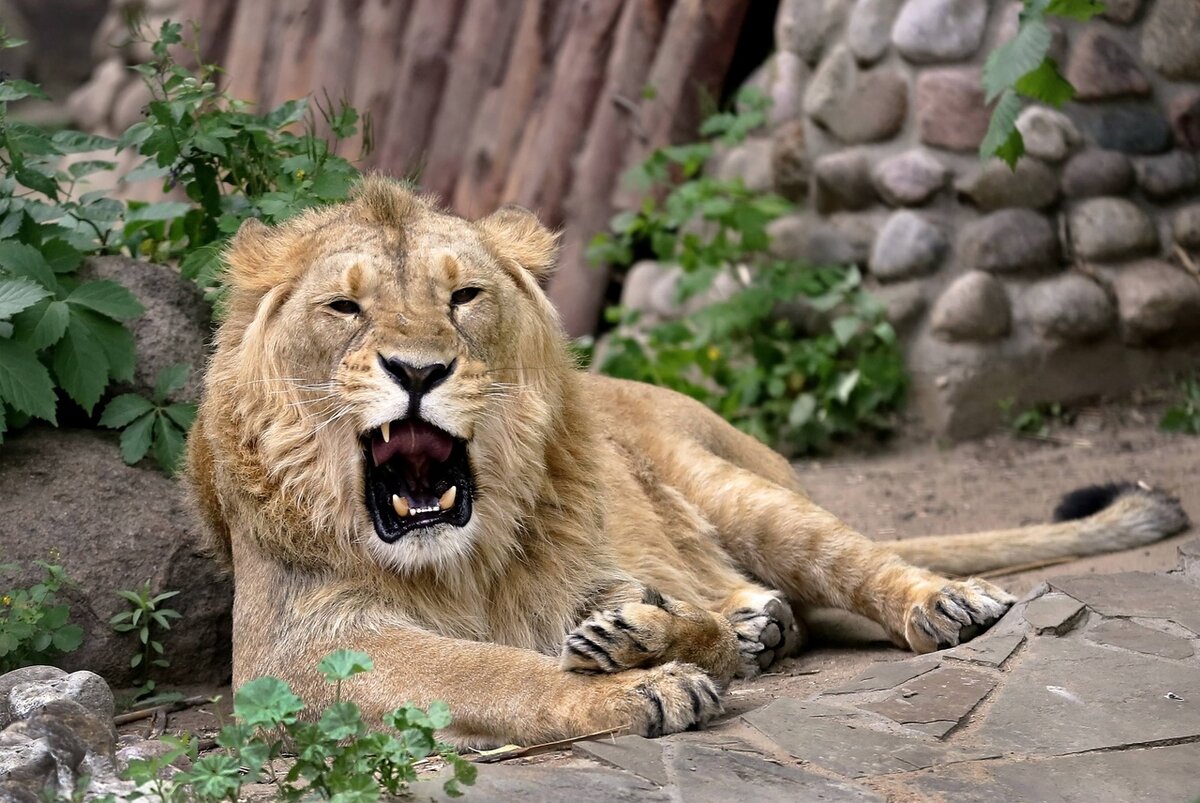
[(911, 489)]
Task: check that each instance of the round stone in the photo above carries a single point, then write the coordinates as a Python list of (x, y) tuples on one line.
[(783, 78), (1122, 11), (751, 162), (950, 109), (1010, 241), (1186, 227), (1070, 307), (843, 239), (1158, 303), (1095, 172), (1101, 69), (790, 166), (939, 30), (910, 178), (908, 245), (1129, 128), (856, 106), (639, 285), (870, 28), (1184, 111), (1164, 177), (1108, 229), (974, 307), (1032, 185), (804, 27), (1170, 37), (1048, 134), (905, 303), (842, 182)]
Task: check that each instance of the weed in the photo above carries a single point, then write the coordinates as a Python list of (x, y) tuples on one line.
[(1185, 416), (148, 620), (34, 625)]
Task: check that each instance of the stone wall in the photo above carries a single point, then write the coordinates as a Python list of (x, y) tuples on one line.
[(1075, 275)]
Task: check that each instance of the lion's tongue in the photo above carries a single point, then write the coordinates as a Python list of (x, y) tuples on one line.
[(416, 441)]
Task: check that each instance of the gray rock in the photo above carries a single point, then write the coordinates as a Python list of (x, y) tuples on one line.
[(1167, 176), (665, 300), (1158, 304), (134, 528), (1189, 558), (1184, 114), (842, 182), (83, 687), (856, 106), (501, 782), (950, 108), (20, 677), (870, 28), (783, 78), (888, 675), (1137, 594), (1070, 308), (150, 749), (994, 185), (1129, 128), (908, 245), (1107, 229), (974, 307), (1054, 614), (1010, 241), (1048, 135), (639, 755), (790, 165), (910, 178), (1169, 39), (940, 699), (904, 301), (639, 284), (804, 27), (1095, 172), (175, 326), (705, 775), (843, 239), (27, 769), (1122, 11), (1130, 636), (751, 163), (1102, 69), (990, 650), (939, 30), (1185, 228)]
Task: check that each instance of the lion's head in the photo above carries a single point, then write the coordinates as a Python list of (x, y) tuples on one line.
[(386, 379)]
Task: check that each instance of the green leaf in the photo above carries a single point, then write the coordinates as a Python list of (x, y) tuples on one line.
[(439, 714), (122, 410), (266, 703), (845, 328), (115, 339), (1003, 140), (341, 721), (61, 256), (845, 386), (19, 259), (170, 379), (1082, 10), (16, 89), (1045, 84), (135, 440), (68, 638), (107, 298), (24, 382), (50, 326), (164, 210), (38, 180), (19, 294), (203, 264), (90, 166), (168, 443), (182, 413), (344, 664), (1020, 55), (78, 142), (802, 409), (81, 365)]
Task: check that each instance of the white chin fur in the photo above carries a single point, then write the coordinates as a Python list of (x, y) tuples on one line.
[(439, 548)]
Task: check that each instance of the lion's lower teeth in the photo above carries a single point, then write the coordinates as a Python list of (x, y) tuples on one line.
[(416, 510), (447, 500)]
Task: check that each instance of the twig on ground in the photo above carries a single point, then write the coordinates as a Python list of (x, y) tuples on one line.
[(152, 711), (516, 751)]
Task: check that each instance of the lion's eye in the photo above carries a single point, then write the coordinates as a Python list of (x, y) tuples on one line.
[(345, 306), (464, 295)]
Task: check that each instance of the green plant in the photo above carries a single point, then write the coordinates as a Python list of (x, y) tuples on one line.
[(34, 625), (1022, 68), (797, 355), (337, 757), (148, 620), (1035, 420), (1185, 416), (157, 426)]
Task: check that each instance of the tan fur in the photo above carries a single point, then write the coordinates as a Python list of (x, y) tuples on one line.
[(629, 551)]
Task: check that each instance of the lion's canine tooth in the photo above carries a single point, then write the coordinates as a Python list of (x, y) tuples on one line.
[(447, 500), (386, 431), (401, 506)]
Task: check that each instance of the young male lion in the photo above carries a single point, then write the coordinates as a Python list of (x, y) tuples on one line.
[(396, 454)]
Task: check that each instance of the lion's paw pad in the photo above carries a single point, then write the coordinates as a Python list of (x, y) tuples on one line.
[(767, 631), (675, 697), (955, 613)]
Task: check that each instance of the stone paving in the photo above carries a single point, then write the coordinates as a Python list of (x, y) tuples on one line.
[(1089, 689)]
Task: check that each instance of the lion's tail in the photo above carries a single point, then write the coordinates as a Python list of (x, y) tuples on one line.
[(1088, 521)]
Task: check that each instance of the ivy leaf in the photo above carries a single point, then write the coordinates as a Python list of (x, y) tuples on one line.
[(1020, 55), (203, 264), (1082, 10), (344, 664), (25, 383), (266, 703), (19, 259), (341, 721), (170, 379), (1003, 140), (1046, 84), (135, 439), (50, 327), (183, 414), (19, 294), (108, 298), (69, 141), (168, 443), (124, 409), (81, 365), (115, 339), (16, 89), (165, 210)]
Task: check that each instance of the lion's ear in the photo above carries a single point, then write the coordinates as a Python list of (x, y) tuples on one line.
[(255, 260), (518, 234)]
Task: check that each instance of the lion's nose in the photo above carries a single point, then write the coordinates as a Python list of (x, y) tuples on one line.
[(417, 379)]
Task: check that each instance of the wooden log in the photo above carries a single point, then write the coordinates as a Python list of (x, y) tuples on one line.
[(506, 109), (578, 287), (299, 28), (539, 175), (244, 58), (383, 25), (480, 55)]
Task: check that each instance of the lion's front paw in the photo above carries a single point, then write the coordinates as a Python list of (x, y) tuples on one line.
[(767, 631), (956, 612), (671, 698), (614, 641)]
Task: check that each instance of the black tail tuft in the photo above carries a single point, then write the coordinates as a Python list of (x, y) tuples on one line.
[(1083, 502)]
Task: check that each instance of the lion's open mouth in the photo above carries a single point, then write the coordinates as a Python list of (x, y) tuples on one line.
[(417, 476)]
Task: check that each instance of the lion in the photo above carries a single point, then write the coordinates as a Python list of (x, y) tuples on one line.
[(395, 452)]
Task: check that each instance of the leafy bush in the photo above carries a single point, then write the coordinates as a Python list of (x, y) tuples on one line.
[(1185, 416), (34, 625), (337, 757), (798, 355), (1023, 69), (157, 425), (147, 619)]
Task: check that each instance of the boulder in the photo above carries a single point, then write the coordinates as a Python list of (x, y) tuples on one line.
[(939, 30), (1165, 177), (804, 27), (869, 30), (910, 178), (1169, 39), (1048, 135), (1126, 127), (1032, 185), (854, 105), (1096, 172), (1010, 241), (1159, 304), (1185, 228), (974, 307), (842, 182), (1107, 229), (908, 245), (841, 239), (1102, 69), (1070, 308), (790, 168), (749, 161), (950, 108), (1122, 11), (1184, 114)]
